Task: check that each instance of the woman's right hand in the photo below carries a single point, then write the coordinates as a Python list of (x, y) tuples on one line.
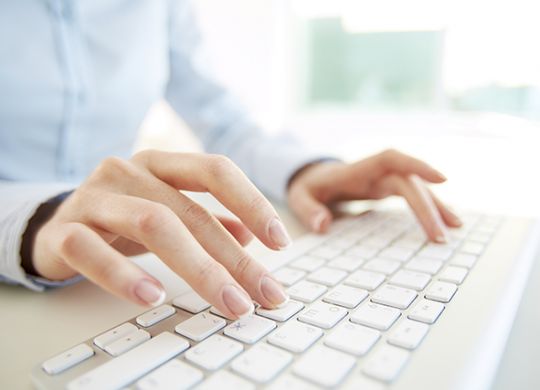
[(129, 207)]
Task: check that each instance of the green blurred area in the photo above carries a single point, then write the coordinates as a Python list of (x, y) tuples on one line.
[(394, 70)]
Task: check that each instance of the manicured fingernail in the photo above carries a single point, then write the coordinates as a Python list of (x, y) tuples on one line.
[(441, 239), (150, 293), (442, 236), (441, 176), (317, 221), (237, 302), (273, 291), (278, 234)]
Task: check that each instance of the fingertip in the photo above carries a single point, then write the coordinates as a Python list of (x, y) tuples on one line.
[(321, 221)]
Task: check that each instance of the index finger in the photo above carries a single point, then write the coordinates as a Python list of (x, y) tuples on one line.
[(222, 178)]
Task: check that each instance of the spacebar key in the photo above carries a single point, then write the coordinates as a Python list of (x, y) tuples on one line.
[(130, 366)]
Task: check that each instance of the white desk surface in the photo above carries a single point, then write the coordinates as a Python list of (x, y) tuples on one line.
[(36, 326)]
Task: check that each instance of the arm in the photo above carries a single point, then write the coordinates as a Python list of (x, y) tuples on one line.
[(218, 120)]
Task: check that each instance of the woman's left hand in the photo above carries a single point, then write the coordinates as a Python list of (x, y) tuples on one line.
[(388, 173)]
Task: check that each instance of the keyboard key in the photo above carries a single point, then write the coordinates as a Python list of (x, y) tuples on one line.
[(224, 380), (214, 352), (174, 374), (365, 279), (119, 372), (454, 275), (480, 237), (352, 338), (128, 342), (305, 291), (324, 366), (441, 291), (383, 266), (308, 263), (428, 266), (464, 260), (472, 248), (327, 276), (250, 329), (440, 252), (377, 241), (408, 334), (346, 263), (375, 316), (291, 382), (114, 334), (346, 296), (155, 315), (426, 311), (191, 301), (200, 326), (326, 252), (394, 296), (295, 336), (396, 253), (288, 276), (343, 242), (362, 252), (410, 279), (323, 315), (67, 359), (413, 244), (386, 363), (281, 314), (261, 363)]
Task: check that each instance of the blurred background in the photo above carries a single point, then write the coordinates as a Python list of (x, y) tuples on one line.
[(454, 82)]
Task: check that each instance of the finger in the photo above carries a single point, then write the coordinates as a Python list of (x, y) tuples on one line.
[(160, 230), (237, 229), (216, 241), (448, 216), (85, 251), (223, 179), (397, 162), (421, 202), (311, 212)]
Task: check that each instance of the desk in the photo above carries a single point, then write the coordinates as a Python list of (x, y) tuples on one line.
[(36, 326)]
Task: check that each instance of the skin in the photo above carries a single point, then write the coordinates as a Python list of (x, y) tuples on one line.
[(128, 207)]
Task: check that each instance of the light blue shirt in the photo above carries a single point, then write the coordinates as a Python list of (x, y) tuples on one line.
[(76, 79)]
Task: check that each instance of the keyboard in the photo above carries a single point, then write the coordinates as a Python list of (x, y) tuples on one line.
[(363, 299)]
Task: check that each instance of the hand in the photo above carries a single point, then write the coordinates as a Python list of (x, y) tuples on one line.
[(129, 207), (314, 188)]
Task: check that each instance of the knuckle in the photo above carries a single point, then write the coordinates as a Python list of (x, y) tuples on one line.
[(197, 215), (143, 156), (113, 168), (153, 218), (219, 165), (69, 240), (242, 265), (389, 154), (209, 273)]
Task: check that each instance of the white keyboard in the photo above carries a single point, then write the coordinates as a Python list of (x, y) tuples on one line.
[(363, 299)]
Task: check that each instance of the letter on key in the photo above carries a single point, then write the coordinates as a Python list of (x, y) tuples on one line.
[(250, 329)]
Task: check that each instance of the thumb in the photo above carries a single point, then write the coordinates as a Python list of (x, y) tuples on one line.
[(311, 212)]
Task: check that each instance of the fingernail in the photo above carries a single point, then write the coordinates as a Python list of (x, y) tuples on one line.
[(441, 176), (273, 291), (318, 221), (278, 234), (237, 302), (442, 236), (150, 293)]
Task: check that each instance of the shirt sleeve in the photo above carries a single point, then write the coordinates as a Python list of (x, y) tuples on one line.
[(19, 203), (218, 120)]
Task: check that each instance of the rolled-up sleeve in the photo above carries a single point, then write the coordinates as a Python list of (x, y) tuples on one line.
[(217, 118)]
